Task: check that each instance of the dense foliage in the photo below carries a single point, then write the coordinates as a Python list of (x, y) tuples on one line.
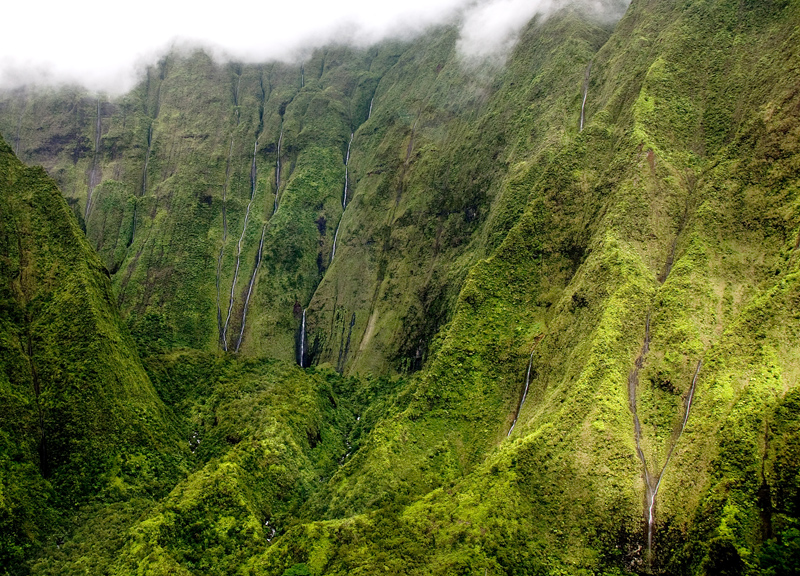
[(607, 227)]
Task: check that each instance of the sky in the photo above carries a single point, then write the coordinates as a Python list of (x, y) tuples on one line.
[(102, 44)]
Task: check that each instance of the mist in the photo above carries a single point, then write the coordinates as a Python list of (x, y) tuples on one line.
[(88, 42)]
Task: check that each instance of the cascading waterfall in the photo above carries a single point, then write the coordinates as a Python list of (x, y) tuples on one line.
[(344, 197), (369, 113), (93, 174), (303, 340), (524, 394), (633, 383), (585, 94), (652, 484), (220, 328), (654, 491), (223, 343), (346, 162), (336, 238), (278, 170), (147, 158), (239, 245), (250, 286), (144, 177)]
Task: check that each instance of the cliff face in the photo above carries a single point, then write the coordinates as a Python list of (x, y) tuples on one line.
[(585, 264)]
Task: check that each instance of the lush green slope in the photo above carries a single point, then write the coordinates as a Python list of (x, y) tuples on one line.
[(80, 420), (590, 259)]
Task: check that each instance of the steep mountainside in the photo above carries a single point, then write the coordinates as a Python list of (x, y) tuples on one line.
[(586, 265), (79, 419)]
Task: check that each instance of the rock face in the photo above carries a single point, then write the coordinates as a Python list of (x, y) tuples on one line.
[(558, 334)]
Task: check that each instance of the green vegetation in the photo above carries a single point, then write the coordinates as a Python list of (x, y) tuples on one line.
[(645, 268)]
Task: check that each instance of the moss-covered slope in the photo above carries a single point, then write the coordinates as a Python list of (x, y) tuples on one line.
[(79, 416), (590, 259)]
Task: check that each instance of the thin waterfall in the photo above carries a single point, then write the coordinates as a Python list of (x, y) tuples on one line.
[(224, 233), (524, 394), (225, 193), (250, 287), (346, 162), (336, 238), (633, 383), (652, 484), (344, 196), (369, 113), (144, 178), (585, 94), (278, 170), (302, 76), (239, 244), (93, 174), (303, 340), (654, 491), (219, 308), (147, 158)]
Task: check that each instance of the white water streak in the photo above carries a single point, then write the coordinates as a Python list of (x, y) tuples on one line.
[(524, 394), (239, 244), (346, 162), (303, 340), (278, 170), (336, 238), (585, 94), (250, 287)]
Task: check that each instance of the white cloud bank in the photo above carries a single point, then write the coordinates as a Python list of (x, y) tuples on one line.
[(98, 43)]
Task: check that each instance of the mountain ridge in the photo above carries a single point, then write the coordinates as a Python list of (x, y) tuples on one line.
[(599, 250)]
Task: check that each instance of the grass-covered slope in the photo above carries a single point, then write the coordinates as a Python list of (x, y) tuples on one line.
[(79, 416), (654, 268), (590, 259)]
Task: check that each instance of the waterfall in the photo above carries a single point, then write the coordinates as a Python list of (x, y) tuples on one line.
[(93, 174), (585, 93), (219, 308), (633, 383), (303, 340), (344, 197), (346, 162), (336, 237), (524, 394), (653, 491), (250, 287), (278, 170), (147, 157), (302, 76), (652, 484), (239, 244), (369, 113)]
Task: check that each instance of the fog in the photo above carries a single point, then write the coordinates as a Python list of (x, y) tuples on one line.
[(101, 45)]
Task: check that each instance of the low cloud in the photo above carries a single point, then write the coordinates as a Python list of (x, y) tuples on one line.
[(90, 43), (490, 28)]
